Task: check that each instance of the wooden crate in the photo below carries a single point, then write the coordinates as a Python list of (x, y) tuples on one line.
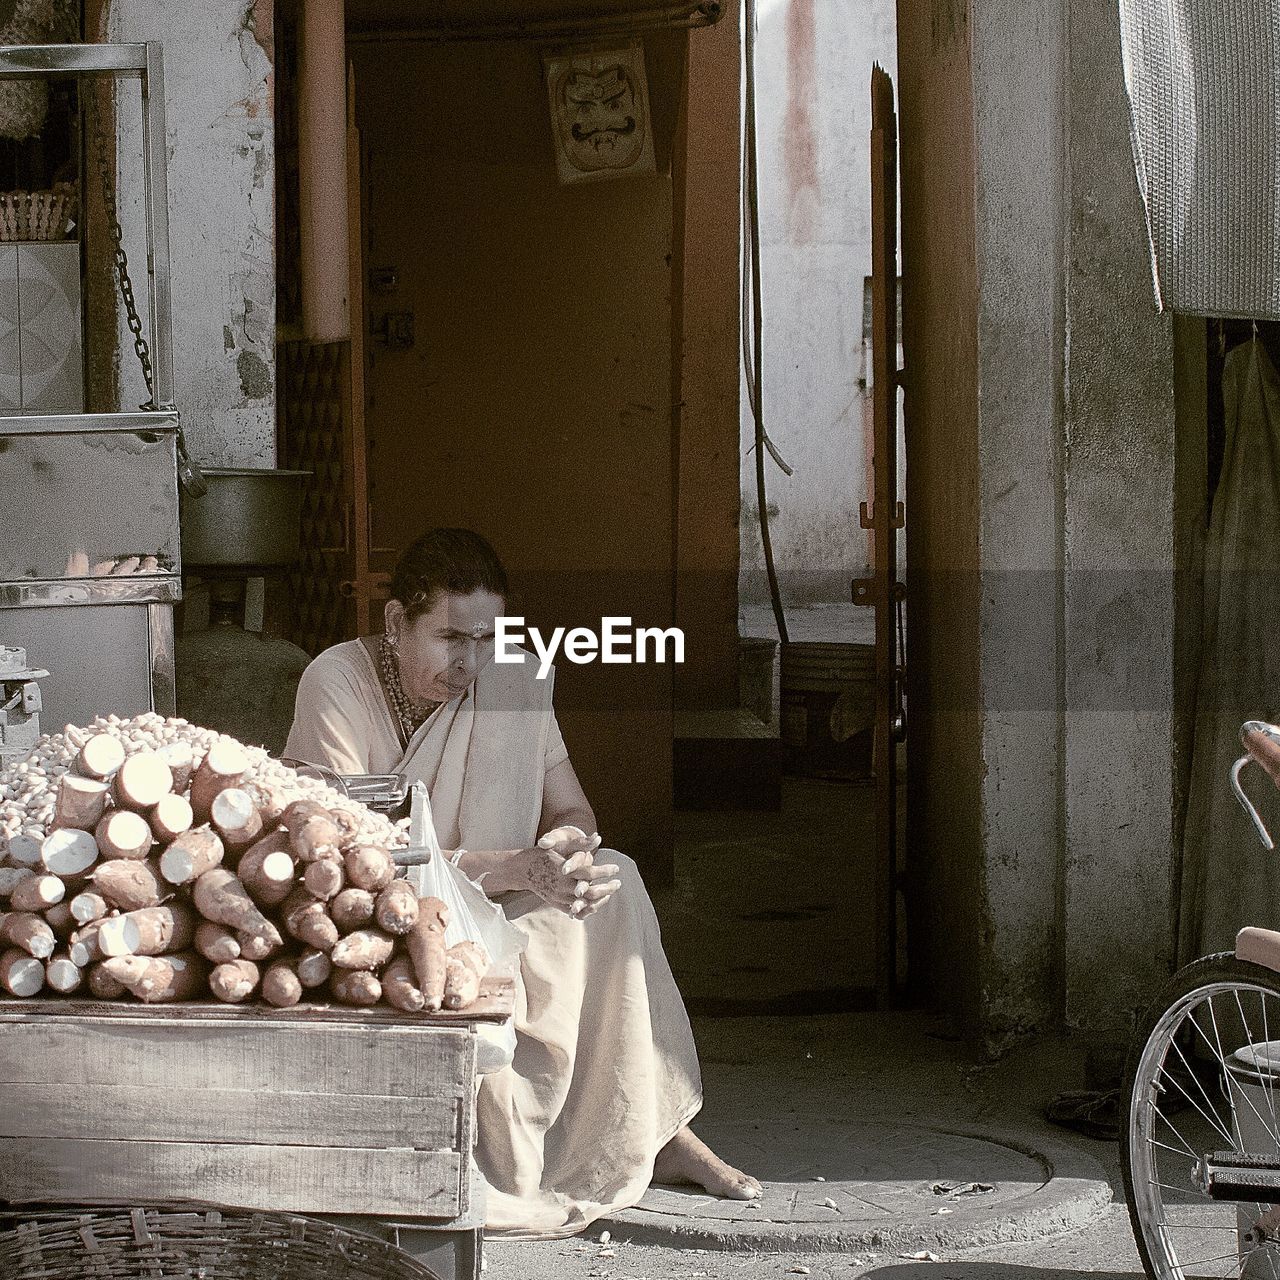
[(315, 1110)]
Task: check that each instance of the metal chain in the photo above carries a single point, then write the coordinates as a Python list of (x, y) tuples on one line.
[(140, 347)]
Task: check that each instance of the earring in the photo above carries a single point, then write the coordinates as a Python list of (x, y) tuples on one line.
[(392, 640)]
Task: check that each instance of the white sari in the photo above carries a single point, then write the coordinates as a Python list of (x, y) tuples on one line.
[(605, 1069)]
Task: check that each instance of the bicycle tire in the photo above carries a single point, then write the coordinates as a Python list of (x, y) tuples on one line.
[(1147, 1083)]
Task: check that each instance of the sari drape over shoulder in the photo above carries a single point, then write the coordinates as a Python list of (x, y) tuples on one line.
[(605, 1069)]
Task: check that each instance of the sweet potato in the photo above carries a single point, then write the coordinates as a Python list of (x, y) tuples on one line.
[(59, 918), (313, 968), (219, 896), (400, 986), (307, 920), (363, 949), (216, 942), (323, 878), (159, 979), (425, 944), (88, 906), (318, 837), (140, 782), (296, 813), (369, 868), (352, 986), (171, 817), (127, 884), (234, 981), (396, 909), (21, 975), (465, 967), (181, 761), (100, 756), (102, 985), (352, 909), (68, 851), (81, 802), (255, 947), (266, 869), (63, 976), (281, 986), (151, 931), (123, 834), (224, 765), (191, 855), (37, 892), (29, 933), (236, 819)]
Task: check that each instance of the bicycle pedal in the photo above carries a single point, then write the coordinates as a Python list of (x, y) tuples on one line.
[(1240, 1175)]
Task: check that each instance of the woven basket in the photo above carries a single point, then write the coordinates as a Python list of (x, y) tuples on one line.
[(39, 215), (154, 1244)]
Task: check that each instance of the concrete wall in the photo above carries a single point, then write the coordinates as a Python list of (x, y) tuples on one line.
[(1063, 880), (218, 62), (813, 93)]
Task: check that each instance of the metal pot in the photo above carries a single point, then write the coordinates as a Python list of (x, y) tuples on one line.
[(249, 516)]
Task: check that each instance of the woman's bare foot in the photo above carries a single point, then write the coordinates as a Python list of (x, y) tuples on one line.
[(686, 1158)]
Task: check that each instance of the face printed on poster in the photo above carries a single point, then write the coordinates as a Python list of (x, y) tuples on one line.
[(600, 112)]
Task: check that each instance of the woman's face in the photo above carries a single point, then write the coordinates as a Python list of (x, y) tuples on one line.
[(442, 651)]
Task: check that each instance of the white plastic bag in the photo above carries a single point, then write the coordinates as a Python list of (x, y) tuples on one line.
[(472, 917)]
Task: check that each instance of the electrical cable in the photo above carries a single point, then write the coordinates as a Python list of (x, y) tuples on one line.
[(752, 288)]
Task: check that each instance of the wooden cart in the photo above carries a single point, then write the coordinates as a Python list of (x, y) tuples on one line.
[(365, 1115)]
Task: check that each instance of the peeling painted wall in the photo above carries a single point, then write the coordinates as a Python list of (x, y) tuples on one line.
[(813, 92), (218, 73)]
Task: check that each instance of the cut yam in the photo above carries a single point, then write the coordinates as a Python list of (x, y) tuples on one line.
[(84, 949), (102, 985), (37, 892), (88, 906), (128, 885), (307, 920), (21, 975), (296, 813), (426, 947), (81, 802), (363, 949), (255, 947), (59, 918), (181, 761), (159, 979), (354, 986), (465, 967), (281, 986), (352, 909), (234, 981), (400, 986), (219, 896), (9, 878), (29, 933), (62, 975), (25, 850), (191, 855), (323, 879), (216, 942), (369, 868), (152, 931), (266, 869), (100, 756), (141, 781), (396, 909), (171, 818), (224, 766), (122, 833), (68, 851), (313, 968), (235, 816)]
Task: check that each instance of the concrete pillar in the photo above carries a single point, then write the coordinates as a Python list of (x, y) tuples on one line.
[(218, 74)]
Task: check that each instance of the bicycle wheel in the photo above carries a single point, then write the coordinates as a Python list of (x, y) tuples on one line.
[(1201, 1146)]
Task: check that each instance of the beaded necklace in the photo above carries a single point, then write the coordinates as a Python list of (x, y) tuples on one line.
[(410, 714)]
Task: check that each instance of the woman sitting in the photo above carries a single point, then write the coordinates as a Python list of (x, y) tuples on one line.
[(605, 1079)]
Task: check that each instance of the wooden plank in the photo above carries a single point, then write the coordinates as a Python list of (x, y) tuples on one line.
[(398, 1061), (178, 1113), (495, 1004), (281, 1178)]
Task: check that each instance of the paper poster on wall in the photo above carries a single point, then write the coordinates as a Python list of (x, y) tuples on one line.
[(600, 112)]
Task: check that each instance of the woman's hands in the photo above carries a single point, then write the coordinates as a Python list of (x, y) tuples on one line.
[(562, 871)]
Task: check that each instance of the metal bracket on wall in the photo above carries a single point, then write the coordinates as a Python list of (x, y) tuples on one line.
[(868, 521), (867, 590)]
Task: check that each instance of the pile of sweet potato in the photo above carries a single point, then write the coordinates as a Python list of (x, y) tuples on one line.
[(170, 873)]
